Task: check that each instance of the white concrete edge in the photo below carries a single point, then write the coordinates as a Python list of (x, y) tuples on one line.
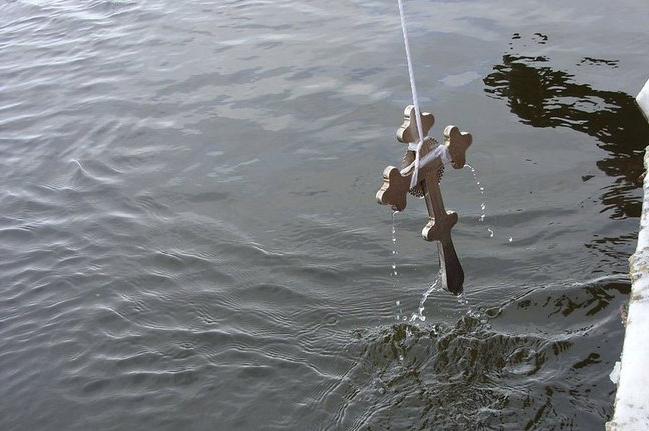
[(632, 398), (643, 100)]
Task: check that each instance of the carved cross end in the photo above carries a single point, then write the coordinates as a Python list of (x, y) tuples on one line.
[(394, 189), (457, 142), (407, 133)]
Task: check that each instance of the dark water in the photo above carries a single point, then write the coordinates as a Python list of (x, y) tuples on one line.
[(190, 240)]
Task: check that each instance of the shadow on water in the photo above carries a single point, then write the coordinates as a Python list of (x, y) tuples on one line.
[(544, 97)]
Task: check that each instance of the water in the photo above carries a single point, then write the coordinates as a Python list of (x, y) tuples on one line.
[(190, 238)]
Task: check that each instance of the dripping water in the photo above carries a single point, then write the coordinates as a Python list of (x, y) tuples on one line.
[(395, 271), (483, 195), (483, 204)]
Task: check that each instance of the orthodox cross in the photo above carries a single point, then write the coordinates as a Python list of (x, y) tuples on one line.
[(397, 185)]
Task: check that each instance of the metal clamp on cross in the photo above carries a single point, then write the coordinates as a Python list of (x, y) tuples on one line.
[(397, 185)]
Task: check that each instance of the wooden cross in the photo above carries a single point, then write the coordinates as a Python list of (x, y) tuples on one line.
[(396, 187)]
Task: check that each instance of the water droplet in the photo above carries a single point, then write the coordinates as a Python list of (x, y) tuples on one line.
[(395, 250), (511, 239)]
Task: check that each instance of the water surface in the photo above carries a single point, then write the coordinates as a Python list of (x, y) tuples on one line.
[(190, 238)]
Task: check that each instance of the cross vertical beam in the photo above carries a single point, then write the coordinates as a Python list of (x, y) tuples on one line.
[(396, 187)]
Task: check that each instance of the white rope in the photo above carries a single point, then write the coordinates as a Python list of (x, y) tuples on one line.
[(413, 88), (440, 151)]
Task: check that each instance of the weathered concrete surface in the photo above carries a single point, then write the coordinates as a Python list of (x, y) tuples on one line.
[(632, 399), (643, 100)]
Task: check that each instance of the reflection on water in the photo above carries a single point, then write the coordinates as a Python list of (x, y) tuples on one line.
[(544, 97)]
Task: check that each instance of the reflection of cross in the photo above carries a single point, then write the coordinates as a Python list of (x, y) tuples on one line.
[(396, 186)]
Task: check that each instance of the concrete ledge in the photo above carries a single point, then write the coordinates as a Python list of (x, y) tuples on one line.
[(632, 398), (643, 100)]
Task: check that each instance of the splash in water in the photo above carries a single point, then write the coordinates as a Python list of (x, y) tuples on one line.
[(435, 286)]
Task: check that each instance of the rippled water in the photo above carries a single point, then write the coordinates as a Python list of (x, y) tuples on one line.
[(190, 238)]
